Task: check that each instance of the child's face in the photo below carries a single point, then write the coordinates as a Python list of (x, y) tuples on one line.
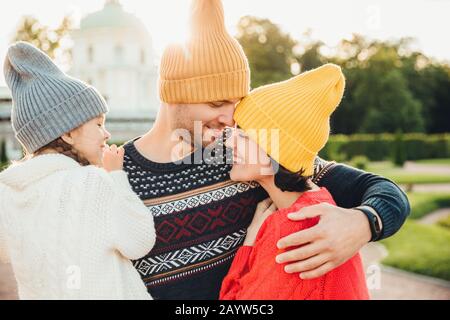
[(90, 139), (250, 162)]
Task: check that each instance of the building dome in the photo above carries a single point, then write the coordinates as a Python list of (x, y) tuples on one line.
[(112, 16), (113, 51)]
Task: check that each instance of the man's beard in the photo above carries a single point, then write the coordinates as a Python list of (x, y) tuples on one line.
[(213, 150), (201, 137)]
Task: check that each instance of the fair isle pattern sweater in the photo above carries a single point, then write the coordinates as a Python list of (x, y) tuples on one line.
[(201, 216)]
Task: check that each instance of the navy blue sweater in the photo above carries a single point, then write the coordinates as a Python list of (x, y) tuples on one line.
[(351, 187)]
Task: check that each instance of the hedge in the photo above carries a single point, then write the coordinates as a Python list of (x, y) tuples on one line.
[(3, 155), (379, 147)]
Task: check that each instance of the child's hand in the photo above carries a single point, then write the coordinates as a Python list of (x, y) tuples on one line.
[(263, 211), (113, 158)]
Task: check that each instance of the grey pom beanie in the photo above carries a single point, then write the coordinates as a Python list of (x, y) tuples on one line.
[(47, 103)]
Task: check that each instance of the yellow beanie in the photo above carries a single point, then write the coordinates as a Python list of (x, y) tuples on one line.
[(300, 108), (211, 66)]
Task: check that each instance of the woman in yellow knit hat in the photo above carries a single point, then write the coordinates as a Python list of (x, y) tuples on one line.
[(283, 126)]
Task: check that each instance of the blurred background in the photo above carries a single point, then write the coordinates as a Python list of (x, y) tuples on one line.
[(394, 119)]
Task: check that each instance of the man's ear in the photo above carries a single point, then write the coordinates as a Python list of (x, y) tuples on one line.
[(68, 138)]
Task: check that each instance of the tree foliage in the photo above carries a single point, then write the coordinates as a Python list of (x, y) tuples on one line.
[(49, 40), (389, 87), (269, 49)]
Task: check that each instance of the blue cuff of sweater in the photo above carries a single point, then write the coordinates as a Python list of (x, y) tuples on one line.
[(388, 213)]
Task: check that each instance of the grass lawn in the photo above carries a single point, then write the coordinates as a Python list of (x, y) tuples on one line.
[(424, 203), (422, 249), (399, 175), (402, 178), (445, 223)]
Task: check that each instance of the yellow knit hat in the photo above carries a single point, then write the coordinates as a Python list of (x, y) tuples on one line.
[(211, 66), (300, 108)]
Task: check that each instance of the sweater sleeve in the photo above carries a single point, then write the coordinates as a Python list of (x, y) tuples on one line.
[(234, 285), (351, 187), (231, 285), (4, 256), (132, 225)]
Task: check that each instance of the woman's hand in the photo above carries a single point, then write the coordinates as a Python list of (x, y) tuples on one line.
[(263, 211), (113, 158)]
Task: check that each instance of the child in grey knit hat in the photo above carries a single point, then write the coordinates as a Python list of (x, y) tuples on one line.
[(70, 224), (51, 110)]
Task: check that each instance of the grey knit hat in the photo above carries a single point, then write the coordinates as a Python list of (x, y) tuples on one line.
[(47, 103)]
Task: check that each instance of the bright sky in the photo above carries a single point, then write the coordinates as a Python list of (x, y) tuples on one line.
[(329, 20)]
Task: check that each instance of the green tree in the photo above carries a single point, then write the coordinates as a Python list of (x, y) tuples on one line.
[(308, 53), (391, 107), (348, 116), (47, 39), (268, 48), (438, 109), (311, 57), (389, 87), (429, 82), (378, 98)]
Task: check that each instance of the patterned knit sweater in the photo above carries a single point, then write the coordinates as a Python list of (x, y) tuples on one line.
[(201, 216), (255, 275)]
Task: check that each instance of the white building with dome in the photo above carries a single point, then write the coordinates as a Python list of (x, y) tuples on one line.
[(112, 50)]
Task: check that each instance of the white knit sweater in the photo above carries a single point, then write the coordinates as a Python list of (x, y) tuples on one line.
[(70, 231)]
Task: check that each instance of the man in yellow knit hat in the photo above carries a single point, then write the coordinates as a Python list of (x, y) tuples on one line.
[(201, 215), (210, 70), (210, 67)]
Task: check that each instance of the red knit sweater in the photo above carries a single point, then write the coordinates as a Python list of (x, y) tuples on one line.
[(255, 275)]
